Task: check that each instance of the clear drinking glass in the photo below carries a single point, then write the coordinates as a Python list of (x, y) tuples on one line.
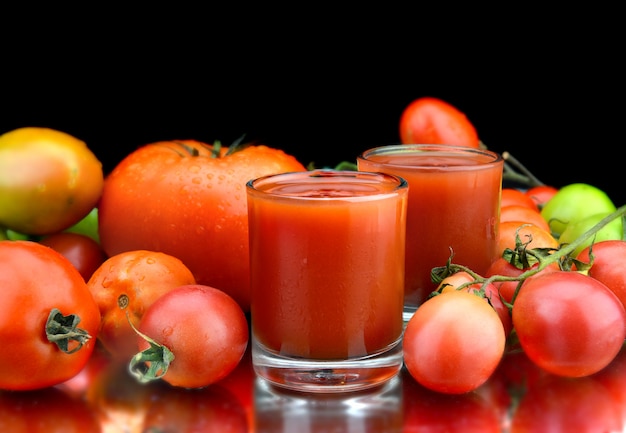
[(327, 278), (454, 203)]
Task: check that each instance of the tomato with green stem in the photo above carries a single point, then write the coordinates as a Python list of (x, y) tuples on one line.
[(190, 337), (50, 321)]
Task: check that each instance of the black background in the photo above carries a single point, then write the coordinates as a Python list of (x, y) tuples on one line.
[(556, 105)]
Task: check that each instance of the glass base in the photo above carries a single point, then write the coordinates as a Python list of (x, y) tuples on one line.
[(328, 376)]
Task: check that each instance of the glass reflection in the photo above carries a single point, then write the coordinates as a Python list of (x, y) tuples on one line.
[(378, 410)]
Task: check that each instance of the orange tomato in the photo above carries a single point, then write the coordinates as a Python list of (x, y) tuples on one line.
[(188, 199), (512, 196), (541, 238), (524, 214), (127, 284)]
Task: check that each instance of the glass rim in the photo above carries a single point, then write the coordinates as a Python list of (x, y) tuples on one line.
[(418, 149), (395, 184)]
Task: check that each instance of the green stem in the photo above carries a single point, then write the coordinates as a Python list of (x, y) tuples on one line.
[(544, 260), (64, 332)]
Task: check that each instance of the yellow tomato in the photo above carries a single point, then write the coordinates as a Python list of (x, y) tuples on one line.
[(49, 180)]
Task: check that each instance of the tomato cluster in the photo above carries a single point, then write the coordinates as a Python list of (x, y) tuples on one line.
[(128, 270)]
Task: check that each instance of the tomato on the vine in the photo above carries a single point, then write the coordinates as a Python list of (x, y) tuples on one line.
[(429, 120), (491, 295), (609, 265), (49, 322), (568, 323), (124, 286), (187, 199), (453, 342), (49, 180), (198, 333)]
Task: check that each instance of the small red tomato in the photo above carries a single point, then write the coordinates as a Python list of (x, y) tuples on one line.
[(541, 194), (429, 120), (453, 342), (82, 251), (568, 323), (609, 265), (205, 330)]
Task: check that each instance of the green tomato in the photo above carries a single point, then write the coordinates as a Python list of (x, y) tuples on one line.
[(573, 203), (612, 231), (88, 226)]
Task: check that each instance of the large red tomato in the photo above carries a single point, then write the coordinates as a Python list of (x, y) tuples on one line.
[(49, 320), (188, 199)]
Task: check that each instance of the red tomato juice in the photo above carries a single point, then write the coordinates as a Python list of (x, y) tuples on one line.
[(454, 202), (327, 268)]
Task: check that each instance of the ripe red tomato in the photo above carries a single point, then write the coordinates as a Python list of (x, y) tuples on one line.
[(205, 330), (48, 410), (568, 323), (49, 180), (453, 342), (124, 286), (178, 198), (44, 299), (429, 120), (454, 281), (82, 251), (541, 194), (609, 265)]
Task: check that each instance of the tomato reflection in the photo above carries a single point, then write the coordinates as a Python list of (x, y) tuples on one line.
[(210, 409), (559, 404), (426, 411), (375, 411), (49, 410)]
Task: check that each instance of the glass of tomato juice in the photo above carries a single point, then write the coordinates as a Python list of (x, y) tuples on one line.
[(453, 207), (327, 278)]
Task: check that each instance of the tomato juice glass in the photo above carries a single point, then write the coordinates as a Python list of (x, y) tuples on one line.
[(453, 205), (327, 278)]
